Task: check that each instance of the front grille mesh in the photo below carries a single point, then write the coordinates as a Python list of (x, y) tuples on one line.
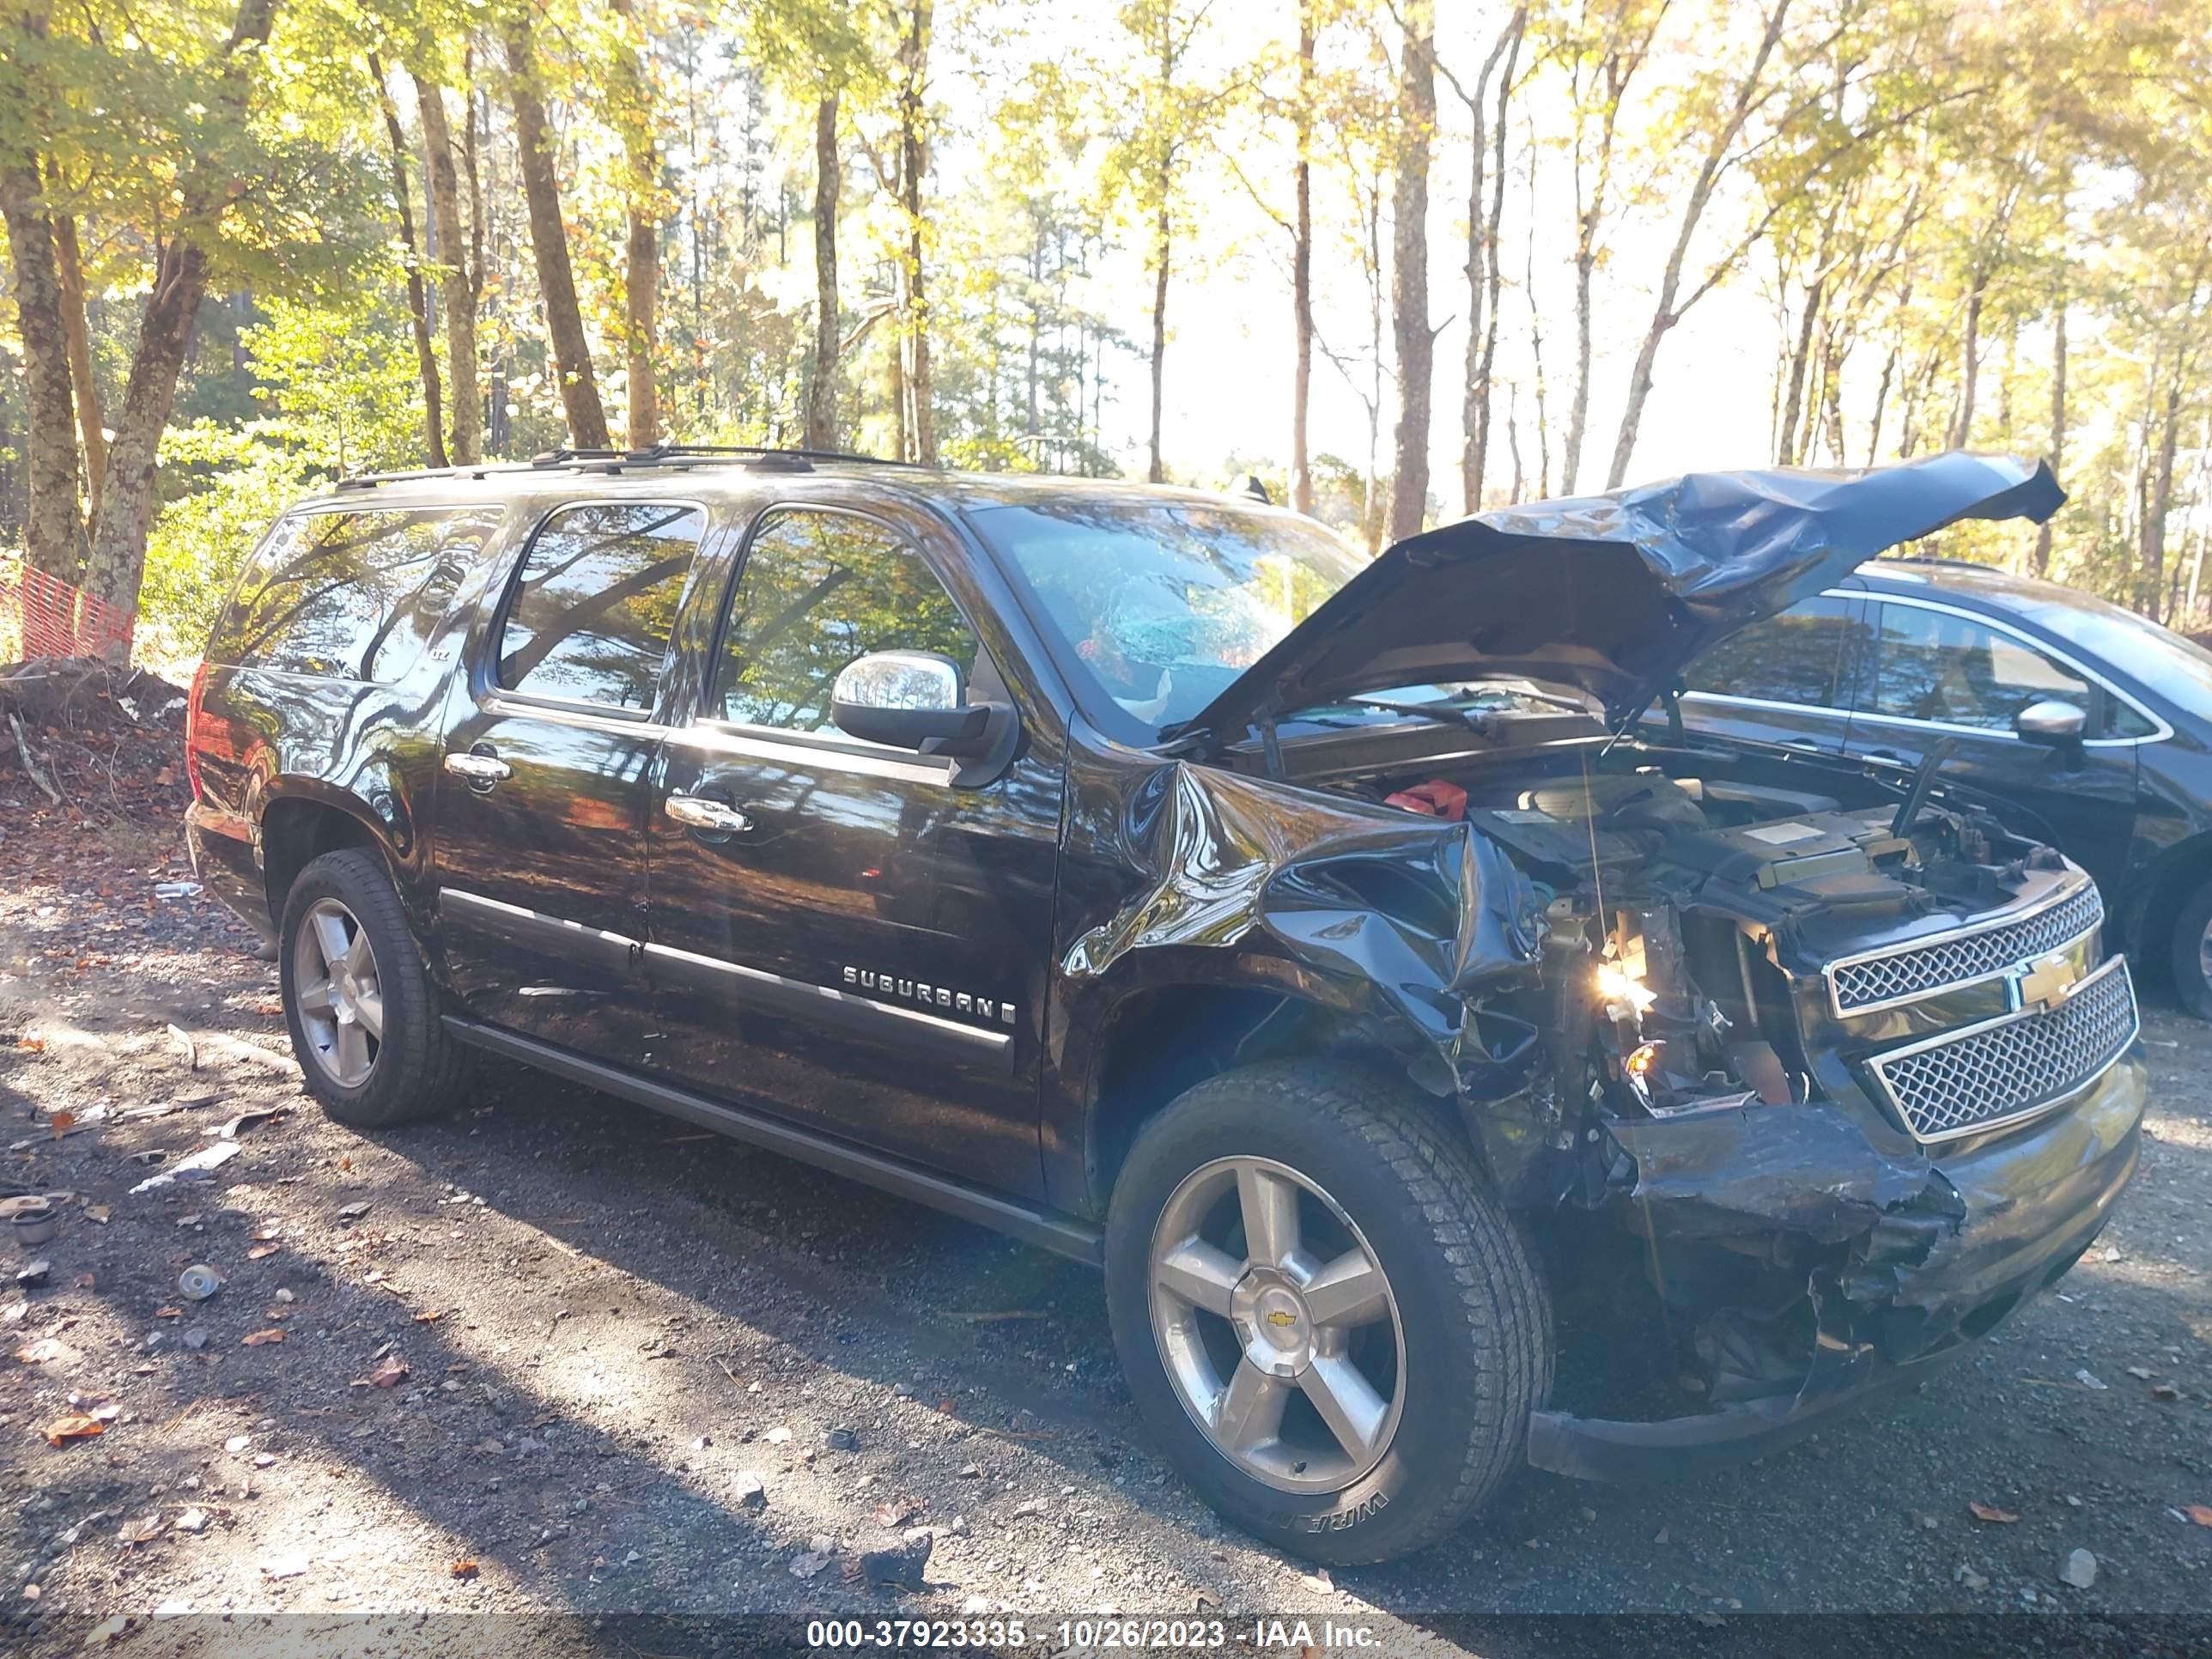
[(1905, 975), (2007, 1070)]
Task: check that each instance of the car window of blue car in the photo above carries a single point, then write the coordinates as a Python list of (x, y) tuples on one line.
[(1939, 666), (2179, 669)]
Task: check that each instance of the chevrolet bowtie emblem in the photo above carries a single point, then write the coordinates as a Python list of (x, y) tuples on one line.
[(2048, 982), (1280, 1320)]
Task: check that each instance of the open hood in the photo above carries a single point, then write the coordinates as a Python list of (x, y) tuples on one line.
[(1616, 594)]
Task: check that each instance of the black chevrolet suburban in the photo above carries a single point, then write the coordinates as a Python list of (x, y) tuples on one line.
[(1329, 950)]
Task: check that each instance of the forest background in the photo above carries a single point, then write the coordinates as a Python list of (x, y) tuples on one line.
[(1396, 258)]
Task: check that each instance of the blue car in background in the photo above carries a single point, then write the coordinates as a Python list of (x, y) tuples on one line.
[(2091, 725)]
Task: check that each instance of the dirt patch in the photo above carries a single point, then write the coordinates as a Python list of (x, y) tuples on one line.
[(555, 1363)]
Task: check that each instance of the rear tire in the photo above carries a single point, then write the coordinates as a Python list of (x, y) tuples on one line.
[(1443, 1422), (2192, 958), (363, 1012)]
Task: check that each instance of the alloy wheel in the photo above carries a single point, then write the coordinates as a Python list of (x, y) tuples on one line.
[(1276, 1325), (337, 992)]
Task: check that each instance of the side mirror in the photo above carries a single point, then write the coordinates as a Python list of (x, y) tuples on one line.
[(2051, 721), (916, 700)]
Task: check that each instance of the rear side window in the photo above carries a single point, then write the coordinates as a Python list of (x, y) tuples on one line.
[(819, 590), (1798, 657), (351, 595), (594, 600)]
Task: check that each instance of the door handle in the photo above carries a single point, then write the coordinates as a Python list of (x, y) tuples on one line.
[(698, 812), (481, 770), (1812, 743)]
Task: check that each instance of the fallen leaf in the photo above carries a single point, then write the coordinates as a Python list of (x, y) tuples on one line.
[(1991, 1512), (44, 1351), (429, 1316), (76, 1427), (99, 1213), (32, 1045), (169, 1312), (259, 1338), (60, 1122), (147, 1530), (2164, 1391), (462, 1569), (2201, 1514), (390, 1375), (260, 1250), (897, 1511)]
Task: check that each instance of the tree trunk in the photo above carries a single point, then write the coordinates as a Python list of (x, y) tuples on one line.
[(2040, 559), (1409, 275), (454, 281), (91, 421), (2158, 501), (1664, 315), (1970, 363), (53, 531), (822, 392), (1302, 494), (117, 562), (1536, 341), (1482, 266), (642, 257), (1157, 473), (913, 164), (419, 309), (548, 245), (1801, 357), (118, 559)]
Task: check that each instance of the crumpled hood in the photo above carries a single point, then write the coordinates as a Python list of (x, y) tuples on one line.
[(1616, 594)]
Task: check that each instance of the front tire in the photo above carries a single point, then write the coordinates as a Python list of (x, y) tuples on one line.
[(363, 1010), (2192, 953), (1323, 1311)]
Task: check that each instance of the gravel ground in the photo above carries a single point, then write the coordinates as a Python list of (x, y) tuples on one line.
[(635, 1369)]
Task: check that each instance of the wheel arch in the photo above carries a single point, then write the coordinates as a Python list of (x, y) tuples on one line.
[(1160, 1038), (302, 819), (2148, 920)]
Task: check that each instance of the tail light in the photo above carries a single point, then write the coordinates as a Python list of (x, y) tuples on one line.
[(192, 729)]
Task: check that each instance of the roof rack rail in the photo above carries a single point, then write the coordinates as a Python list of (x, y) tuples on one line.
[(614, 460)]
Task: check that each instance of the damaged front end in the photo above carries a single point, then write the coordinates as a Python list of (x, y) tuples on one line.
[(1843, 1078)]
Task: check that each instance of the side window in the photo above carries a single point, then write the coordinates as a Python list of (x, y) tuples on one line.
[(351, 595), (1798, 657), (589, 618), (1936, 666), (2125, 719), (818, 590)]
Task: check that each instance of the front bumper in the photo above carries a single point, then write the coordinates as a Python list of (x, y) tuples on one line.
[(1937, 1252)]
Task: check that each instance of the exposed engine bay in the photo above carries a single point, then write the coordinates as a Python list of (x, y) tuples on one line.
[(1677, 900), (1687, 911)]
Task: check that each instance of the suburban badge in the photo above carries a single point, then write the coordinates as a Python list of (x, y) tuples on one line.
[(922, 993)]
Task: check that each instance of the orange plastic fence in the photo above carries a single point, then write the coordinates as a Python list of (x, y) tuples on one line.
[(55, 619)]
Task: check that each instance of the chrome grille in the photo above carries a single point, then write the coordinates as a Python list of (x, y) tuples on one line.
[(2010, 1068), (1862, 984)]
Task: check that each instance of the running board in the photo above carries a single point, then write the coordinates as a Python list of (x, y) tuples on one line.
[(1063, 1235)]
